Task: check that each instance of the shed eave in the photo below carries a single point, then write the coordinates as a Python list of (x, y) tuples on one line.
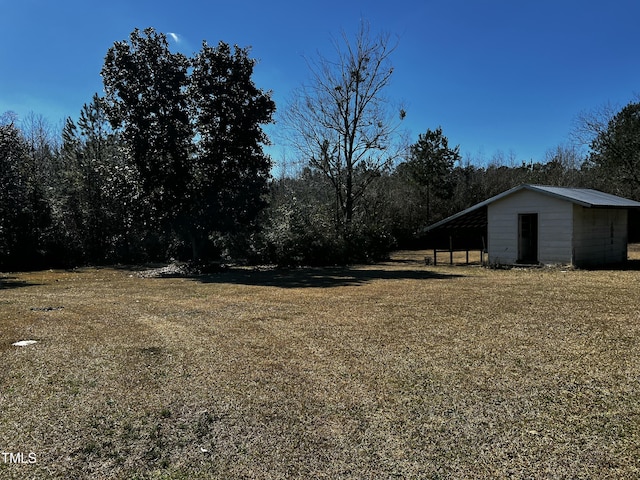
[(574, 195)]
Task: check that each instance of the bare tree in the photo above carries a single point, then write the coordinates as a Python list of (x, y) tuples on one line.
[(591, 123), (8, 118), (342, 124), (43, 144), (562, 166)]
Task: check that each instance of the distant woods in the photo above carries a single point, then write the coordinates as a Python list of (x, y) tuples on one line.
[(169, 164)]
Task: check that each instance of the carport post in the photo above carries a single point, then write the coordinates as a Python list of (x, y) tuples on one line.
[(450, 250), (484, 248)]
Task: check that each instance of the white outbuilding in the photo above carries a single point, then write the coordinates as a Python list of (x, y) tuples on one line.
[(535, 224)]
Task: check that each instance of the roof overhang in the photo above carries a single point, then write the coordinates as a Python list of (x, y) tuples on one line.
[(475, 217)]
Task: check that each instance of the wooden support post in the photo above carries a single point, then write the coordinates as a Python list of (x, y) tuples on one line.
[(450, 250), (467, 255), (435, 255), (484, 248)]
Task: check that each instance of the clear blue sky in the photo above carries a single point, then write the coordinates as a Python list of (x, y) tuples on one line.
[(496, 75)]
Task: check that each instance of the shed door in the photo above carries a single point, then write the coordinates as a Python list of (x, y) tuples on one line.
[(528, 238)]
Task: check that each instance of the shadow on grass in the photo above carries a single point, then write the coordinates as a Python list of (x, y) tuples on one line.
[(632, 265), (316, 277), (403, 261), (10, 282)]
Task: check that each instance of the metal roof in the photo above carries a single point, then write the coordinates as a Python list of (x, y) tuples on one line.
[(586, 196), (581, 196)]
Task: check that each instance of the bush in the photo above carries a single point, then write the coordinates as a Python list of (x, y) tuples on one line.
[(297, 234)]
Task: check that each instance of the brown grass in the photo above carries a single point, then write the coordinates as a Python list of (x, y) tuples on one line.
[(397, 370)]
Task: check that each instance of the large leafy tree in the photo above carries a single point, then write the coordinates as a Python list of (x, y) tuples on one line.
[(615, 152), (232, 169), (343, 123), (192, 127), (145, 96)]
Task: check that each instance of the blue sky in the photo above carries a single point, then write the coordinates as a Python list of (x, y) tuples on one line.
[(497, 75)]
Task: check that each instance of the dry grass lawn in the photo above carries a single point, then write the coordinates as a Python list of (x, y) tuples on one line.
[(396, 370)]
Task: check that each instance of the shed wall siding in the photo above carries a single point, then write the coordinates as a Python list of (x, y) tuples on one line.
[(555, 225), (600, 235)]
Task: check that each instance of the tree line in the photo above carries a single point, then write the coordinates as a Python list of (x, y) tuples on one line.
[(170, 163)]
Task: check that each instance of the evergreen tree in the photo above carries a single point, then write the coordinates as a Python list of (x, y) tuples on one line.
[(431, 167), (100, 197)]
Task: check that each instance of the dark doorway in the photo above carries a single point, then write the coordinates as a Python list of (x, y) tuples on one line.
[(528, 238)]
